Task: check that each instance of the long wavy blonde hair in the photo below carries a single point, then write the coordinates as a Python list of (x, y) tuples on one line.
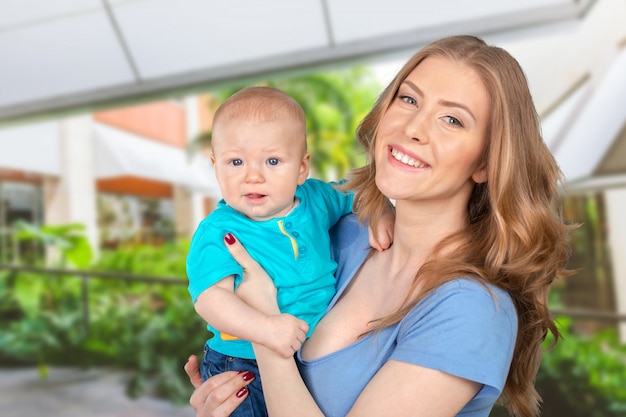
[(515, 236)]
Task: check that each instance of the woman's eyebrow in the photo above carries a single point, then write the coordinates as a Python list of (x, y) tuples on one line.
[(413, 87), (457, 105), (446, 103)]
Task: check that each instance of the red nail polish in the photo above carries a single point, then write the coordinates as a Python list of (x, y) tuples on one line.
[(243, 391), (229, 238), (248, 376)]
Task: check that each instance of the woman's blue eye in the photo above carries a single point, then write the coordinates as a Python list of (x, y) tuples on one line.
[(408, 99), (273, 161), (237, 162), (454, 121)]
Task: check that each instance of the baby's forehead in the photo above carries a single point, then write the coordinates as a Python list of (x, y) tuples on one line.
[(258, 139), (259, 115), (281, 130)]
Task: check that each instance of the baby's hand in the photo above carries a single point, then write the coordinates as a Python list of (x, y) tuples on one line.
[(285, 334), (381, 238)]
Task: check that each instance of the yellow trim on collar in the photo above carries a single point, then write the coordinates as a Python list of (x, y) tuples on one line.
[(294, 244)]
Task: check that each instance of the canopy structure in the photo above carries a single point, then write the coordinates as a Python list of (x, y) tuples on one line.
[(17, 144), (121, 154), (116, 154), (67, 54), (588, 144), (83, 55)]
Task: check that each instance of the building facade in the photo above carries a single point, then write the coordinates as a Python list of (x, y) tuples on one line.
[(128, 173)]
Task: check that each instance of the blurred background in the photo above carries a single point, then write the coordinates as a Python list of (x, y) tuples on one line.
[(105, 121)]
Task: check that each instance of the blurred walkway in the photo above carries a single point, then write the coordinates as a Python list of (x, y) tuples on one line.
[(70, 392)]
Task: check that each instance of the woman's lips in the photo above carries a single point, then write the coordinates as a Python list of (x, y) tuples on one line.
[(406, 159)]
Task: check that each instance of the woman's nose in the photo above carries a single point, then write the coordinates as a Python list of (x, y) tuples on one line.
[(416, 127)]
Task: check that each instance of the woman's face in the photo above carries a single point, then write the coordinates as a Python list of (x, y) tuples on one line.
[(430, 140)]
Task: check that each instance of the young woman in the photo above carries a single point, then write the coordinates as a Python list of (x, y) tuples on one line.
[(451, 317)]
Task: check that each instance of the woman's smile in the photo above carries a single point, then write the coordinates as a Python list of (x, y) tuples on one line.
[(407, 158)]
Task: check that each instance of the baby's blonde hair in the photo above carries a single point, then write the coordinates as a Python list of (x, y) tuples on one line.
[(260, 103)]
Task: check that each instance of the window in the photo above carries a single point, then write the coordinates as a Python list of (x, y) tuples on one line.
[(127, 218), (592, 286), (19, 202)]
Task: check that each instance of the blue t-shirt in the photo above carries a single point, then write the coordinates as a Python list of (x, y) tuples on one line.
[(460, 329), (294, 250)]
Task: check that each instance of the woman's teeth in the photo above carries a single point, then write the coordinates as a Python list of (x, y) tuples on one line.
[(405, 159)]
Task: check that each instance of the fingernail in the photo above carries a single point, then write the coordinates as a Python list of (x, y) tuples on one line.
[(229, 238), (242, 392), (248, 376)]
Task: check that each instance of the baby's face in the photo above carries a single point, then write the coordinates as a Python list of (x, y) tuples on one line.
[(259, 164)]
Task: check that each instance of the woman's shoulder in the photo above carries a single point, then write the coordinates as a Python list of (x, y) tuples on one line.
[(473, 293), (470, 303)]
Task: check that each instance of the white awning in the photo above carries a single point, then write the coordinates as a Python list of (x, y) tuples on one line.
[(119, 153), (555, 126), (32, 148), (591, 134), (72, 53)]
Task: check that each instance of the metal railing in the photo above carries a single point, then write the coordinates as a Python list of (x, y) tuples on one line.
[(85, 276), (588, 314)]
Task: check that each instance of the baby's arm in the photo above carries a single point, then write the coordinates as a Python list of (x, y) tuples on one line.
[(219, 306), (381, 238)]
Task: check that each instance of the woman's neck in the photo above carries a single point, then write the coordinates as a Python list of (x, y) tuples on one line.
[(418, 230)]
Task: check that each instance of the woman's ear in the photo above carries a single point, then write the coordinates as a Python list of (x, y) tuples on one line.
[(480, 176)]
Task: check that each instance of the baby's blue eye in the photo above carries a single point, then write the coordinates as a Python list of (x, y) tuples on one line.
[(273, 161), (237, 162)]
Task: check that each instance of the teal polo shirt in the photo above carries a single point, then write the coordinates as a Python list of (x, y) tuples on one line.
[(294, 250)]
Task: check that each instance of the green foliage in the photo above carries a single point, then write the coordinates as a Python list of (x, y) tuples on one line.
[(584, 376), (167, 260), (150, 328), (68, 239)]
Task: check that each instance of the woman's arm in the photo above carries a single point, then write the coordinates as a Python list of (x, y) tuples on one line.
[(283, 388), (403, 389), (285, 392), (398, 389)]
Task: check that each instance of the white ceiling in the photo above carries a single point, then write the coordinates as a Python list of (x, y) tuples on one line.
[(67, 54)]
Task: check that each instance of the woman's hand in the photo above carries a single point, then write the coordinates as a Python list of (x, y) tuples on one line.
[(257, 289), (219, 395), (282, 333)]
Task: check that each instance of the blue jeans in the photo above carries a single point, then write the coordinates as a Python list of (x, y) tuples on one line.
[(215, 363)]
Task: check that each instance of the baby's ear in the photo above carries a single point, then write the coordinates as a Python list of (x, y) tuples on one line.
[(304, 168)]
